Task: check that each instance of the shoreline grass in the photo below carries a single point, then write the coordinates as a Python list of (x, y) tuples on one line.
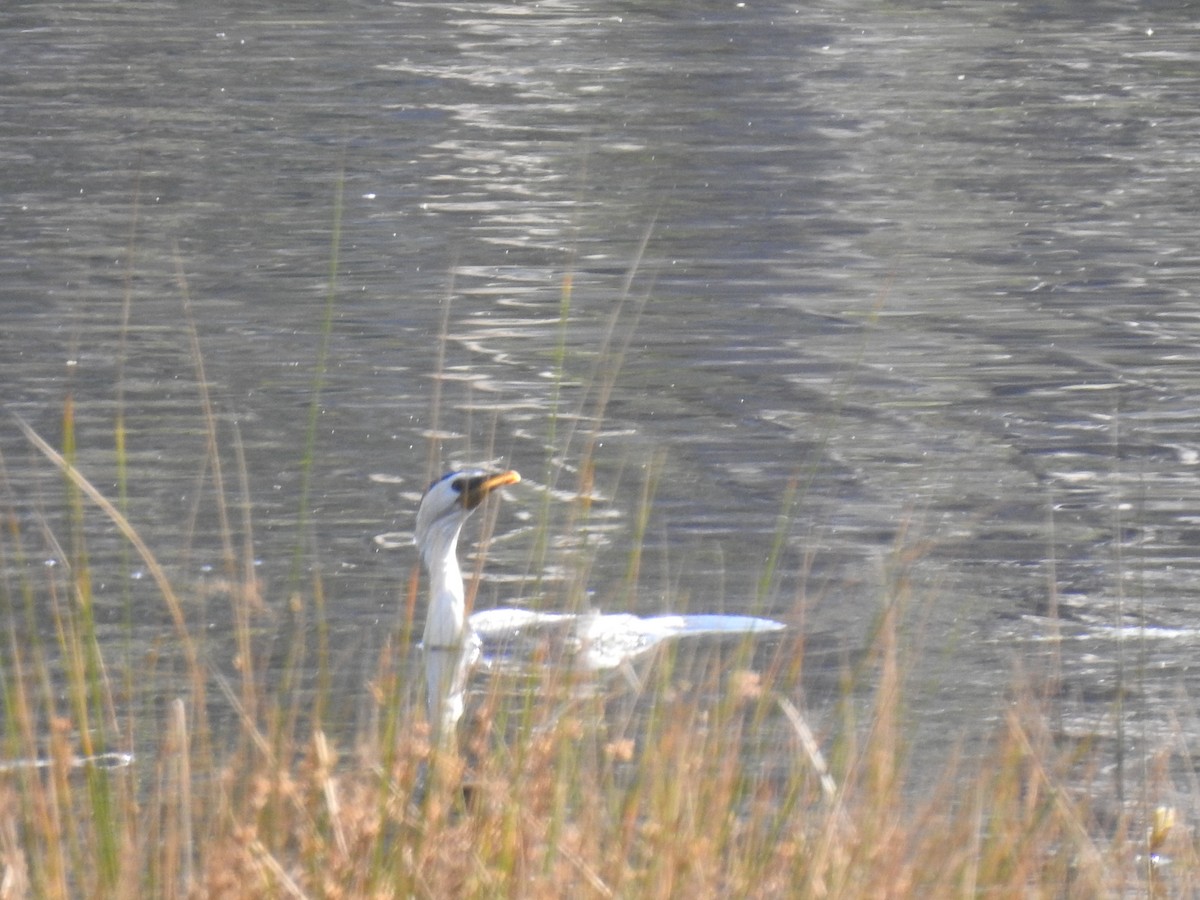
[(708, 782), (704, 776)]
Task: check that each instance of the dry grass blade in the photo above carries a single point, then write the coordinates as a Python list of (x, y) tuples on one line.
[(808, 741), (174, 606), (187, 850)]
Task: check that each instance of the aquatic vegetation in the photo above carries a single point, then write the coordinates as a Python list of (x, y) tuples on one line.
[(201, 769), (710, 779)]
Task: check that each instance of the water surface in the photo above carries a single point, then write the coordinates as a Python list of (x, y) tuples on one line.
[(932, 263)]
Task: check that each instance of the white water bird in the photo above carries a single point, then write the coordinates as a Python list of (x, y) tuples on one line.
[(452, 643)]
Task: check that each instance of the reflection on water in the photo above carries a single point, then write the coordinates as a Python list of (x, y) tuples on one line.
[(933, 268)]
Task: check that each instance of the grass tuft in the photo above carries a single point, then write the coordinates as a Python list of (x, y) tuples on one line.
[(710, 781), (703, 775)]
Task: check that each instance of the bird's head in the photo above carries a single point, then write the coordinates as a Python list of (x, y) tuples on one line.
[(449, 501)]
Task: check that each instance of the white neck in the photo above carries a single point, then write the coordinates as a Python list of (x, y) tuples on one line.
[(445, 621), (446, 656)]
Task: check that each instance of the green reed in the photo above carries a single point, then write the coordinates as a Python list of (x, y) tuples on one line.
[(704, 774)]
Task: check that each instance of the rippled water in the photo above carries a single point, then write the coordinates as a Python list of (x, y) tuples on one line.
[(933, 262)]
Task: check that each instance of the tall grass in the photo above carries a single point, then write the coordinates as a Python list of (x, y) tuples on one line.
[(705, 778), (713, 788)]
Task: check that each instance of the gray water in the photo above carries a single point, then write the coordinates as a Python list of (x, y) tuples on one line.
[(932, 263)]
